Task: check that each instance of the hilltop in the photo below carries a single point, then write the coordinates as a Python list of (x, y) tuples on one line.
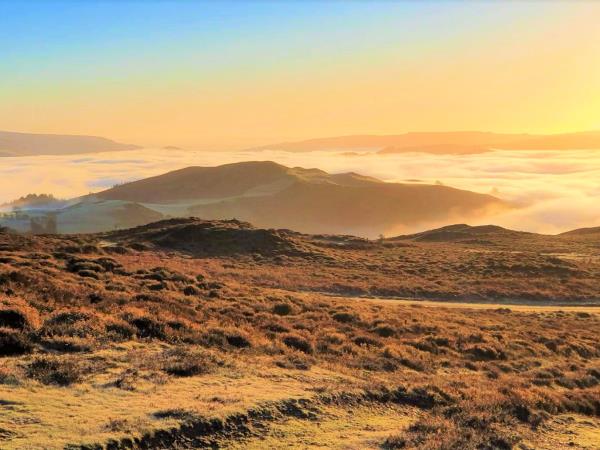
[(592, 232), (466, 234), (199, 237), (309, 200)]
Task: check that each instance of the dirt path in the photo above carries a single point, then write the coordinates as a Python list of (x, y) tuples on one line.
[(525, 307)]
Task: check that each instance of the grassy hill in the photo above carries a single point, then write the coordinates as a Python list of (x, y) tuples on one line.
[(309, 200), (188, 333)]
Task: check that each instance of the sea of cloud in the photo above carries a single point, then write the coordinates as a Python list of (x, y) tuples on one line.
[(555, 191)]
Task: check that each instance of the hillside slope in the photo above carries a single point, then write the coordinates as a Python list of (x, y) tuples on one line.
[(108, 343), (366, 210), (308, 200), (458, 262)]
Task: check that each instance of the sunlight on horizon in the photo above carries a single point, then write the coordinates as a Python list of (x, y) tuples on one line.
[(230, 74)]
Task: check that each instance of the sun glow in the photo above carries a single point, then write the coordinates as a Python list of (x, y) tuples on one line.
[(180, 76)]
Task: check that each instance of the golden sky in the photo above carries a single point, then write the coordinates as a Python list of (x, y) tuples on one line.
[(221, 75)]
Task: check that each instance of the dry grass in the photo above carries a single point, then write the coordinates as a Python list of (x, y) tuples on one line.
[(154, 340)]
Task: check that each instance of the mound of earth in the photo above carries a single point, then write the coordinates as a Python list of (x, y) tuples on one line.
[(463, 232), (214, 238), (592, 232)]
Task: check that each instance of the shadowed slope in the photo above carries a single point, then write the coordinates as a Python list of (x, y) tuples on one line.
[(340, 209), (308, 200)]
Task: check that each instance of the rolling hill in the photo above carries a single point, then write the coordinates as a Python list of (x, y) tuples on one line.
[(308, 200), (466, 233), (28, 144), (189, 334)]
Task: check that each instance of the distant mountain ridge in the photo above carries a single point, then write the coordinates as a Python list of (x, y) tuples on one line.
[(29, 144), (453, 142)]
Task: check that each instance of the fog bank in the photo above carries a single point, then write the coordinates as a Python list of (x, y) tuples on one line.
[(555, 190)]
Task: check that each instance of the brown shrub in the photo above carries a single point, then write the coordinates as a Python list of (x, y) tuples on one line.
[(298, 342), (119, 330), (367, 341), (182, 362), (384, 331), (275, 327), (483, 353), (14, 342), (8, 377), (147, 327), (69, 344), (344, 317), (191, 291), (238, 339), (18, 315), (61, 371), (295, 362), (225, 338), (282, 309)]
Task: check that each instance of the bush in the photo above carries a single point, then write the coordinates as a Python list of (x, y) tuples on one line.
[(14, 342), (56, 370), (148, 328), (345, 317), (481, 353), (182, 362), (384, 331), (238, 339), (275, 327), (67, 317), (69, 344), (367, 341), (394, 442), (73, 323), (191, 291), (298, 343), (119, 330), (296, 362), (282, 309), (18, 316), (7, 377), (13, 318), (223, 338)]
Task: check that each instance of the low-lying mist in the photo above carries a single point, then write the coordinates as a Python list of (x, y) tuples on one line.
[(554, 191)]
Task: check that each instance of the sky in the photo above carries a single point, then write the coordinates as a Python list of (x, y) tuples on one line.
[(222, 75)]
